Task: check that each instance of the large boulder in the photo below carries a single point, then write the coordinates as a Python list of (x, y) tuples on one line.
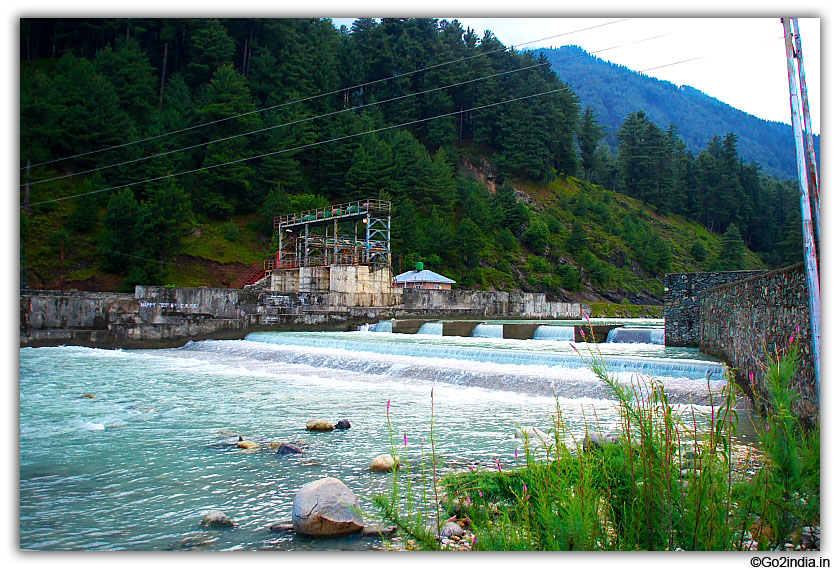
[(384, 462), (319, 425), (326, 507)]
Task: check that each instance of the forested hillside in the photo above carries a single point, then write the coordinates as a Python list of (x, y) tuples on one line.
[(613, 92), (159, 151)]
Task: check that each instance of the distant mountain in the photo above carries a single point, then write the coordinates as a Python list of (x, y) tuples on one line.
[(697, 116)]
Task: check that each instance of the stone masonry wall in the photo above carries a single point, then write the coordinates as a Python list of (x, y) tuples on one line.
[(744, 321), (682, 302)]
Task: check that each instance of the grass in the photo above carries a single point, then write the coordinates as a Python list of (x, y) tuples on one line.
[(625, 310), (665, 481)]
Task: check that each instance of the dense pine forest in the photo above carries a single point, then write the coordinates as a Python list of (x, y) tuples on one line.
[(614, 91), (158, 151)]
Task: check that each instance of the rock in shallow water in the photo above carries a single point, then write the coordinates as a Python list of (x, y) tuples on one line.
[(281, 527), (216, 518), (342, 424), (319, 425), (378, 530), (287, 448), (326, 507), (384, 462)]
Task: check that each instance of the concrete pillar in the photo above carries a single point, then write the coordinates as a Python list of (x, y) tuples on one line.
[(458, 328)]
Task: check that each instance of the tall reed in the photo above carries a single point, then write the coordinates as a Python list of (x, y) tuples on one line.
[(665, 481)]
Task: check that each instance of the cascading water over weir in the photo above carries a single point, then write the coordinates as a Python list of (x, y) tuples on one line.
[(435, 329), (551, 332), (637, 335), (484, 330)]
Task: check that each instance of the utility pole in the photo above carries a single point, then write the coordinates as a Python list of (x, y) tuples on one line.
[(812, 277), (814, 177)]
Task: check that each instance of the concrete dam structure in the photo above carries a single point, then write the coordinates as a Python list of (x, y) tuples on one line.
[(170, 316)]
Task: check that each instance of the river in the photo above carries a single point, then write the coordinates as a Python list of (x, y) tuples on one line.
[(127, 449)]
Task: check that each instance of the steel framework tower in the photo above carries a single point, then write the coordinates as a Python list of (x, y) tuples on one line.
[(352, 233)]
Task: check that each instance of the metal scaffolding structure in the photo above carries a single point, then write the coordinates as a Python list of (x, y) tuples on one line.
[(352, 233)]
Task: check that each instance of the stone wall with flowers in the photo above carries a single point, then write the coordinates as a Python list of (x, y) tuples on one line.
[(748, 320)]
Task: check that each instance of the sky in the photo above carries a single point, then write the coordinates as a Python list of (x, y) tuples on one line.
[(740, 61)]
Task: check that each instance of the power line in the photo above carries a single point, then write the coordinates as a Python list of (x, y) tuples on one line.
[(332, 113), (314, 97), (217, 270), (291, 123), (372, 131)]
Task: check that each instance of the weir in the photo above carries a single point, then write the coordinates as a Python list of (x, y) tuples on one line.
[(435, 328), (633, 335), (551, 332), (562, 357), (484, 330)]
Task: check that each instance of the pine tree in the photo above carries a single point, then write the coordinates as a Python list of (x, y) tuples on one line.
[(223, 190), (118, 245), (128, 69), (210, 48), (731, 256), (589, 136), (536, 235), (514, 212), (469, 241)]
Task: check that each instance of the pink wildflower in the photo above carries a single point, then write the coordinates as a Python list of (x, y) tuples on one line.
[(498, 465), (480, 494), (790, 340), (573, 346), (516, 454), (524, 489), (405, 440), (586, 317), (388, 406), (752, 378), (469, 502), (797, 330)]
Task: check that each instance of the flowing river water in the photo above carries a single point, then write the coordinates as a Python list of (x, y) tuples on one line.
[(127, 449)]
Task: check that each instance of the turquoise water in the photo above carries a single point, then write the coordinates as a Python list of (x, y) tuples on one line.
[(138, 465)]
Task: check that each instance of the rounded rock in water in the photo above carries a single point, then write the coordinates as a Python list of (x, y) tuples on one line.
[(326, 507), (217, 518), (384, 463), (342, 424), (319, 425), (287, 448)]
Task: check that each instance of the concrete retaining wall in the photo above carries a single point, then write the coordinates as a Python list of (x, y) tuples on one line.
[(743, 321), (487, 303), (168, 316)]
